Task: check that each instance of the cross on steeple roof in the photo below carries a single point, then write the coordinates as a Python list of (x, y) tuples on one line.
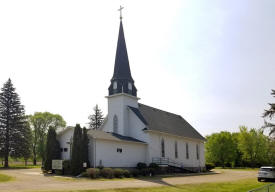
[(120, 10)]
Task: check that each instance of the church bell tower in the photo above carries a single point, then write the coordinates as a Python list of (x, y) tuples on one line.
[(122, 90), (122, 81)]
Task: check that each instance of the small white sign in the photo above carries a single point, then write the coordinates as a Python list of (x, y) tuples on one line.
[(84, 164), (57, 164)]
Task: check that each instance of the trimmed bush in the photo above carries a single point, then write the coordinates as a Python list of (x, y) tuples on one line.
[(118, 173), (135, 172), (67, 167), (126, 173), (141, 166), (153, 166), (107, 173), (93, 173), (145, 172), (209, 166)]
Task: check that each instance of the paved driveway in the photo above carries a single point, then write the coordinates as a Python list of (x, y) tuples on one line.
[(33, 180)]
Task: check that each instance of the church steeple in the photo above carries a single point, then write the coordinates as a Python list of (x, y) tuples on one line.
[(122, 81)]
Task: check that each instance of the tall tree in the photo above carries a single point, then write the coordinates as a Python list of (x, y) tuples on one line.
[(24, 144), (40, 123), (270, 113), (52, 149), (220, 148), (12, 122), (85, 146), (77, 159), (254, 146), (96, 119)]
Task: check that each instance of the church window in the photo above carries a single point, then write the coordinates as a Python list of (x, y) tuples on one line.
[(187, 151), (119, 150), (198, 154), (65, 149), (162, 148), (115, 124), (129, 86), (176, 149), (115, 85), (61, 149)]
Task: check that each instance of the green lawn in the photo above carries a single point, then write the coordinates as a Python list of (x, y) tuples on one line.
[(20, 166), (237, 186), (5, 178)]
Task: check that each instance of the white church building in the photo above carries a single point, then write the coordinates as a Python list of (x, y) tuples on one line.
[(133, 132)]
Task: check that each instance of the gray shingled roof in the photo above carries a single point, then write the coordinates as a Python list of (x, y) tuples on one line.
[(111, 136), (162, 121)]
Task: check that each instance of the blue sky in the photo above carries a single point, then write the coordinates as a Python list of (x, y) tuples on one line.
[(210, 61)]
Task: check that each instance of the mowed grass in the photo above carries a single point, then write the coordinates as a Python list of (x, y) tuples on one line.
[(20, 166), (236, 186), (5, 178)]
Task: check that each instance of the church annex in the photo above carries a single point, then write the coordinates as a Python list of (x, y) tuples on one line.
[(133, 132)]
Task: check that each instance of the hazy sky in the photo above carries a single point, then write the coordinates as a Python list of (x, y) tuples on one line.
[(212, 62)]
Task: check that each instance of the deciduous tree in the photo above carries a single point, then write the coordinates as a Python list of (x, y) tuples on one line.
[(40, 123), (254, 146), (220, 148)]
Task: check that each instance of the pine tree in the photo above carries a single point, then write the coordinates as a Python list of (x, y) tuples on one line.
[(270, 113), (96, 119), (52, 149), (84, 147), (77, 160), (12, 122), (25, 144)]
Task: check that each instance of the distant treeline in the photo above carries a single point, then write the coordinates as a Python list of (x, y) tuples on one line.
[(246, 148)]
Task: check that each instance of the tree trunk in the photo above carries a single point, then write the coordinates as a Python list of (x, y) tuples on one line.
[(34, 161), (6, 165), (26, 162), (34, 156)]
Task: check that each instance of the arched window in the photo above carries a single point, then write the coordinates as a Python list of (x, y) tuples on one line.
[(162, 148), (115, 85), (115, 124), (198, 153), (176, 149), (187, 151)]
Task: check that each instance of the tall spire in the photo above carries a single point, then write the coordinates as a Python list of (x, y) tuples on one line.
[(122, 67), (122, 79)]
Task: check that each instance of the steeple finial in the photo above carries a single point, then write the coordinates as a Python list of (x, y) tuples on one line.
[(120, 10)]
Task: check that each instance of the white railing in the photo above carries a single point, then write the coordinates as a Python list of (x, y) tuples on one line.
[(166, 161)]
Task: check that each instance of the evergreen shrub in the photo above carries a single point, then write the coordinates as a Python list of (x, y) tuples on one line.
[(135, 172), (118, 173), (67, 167), (141, 166), (126, 173), (107, 173), (93, 173), (209, 166)]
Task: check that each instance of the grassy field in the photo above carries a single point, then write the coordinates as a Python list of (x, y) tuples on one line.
[(237, 186), (20, 166), (5, 178)]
